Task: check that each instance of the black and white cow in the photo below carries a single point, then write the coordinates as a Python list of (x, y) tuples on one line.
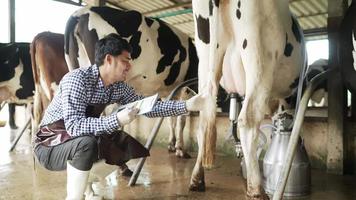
[(319, 96), (347, 55), (163, 57), (255, 48), (16, 79)]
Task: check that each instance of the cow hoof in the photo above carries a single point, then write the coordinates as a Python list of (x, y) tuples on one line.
[(125, 171), (13, 126), (182, 154), (200, 187), (171, 148), (262, 196)]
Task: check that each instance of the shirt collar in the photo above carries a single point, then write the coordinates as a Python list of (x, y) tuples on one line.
[(97, 79)]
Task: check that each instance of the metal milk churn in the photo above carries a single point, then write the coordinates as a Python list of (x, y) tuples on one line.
[(299, 180)]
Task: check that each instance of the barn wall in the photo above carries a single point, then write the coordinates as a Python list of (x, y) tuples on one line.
[(314, 132)]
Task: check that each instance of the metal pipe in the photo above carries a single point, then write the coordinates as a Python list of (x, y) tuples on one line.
[(12, 20), (282, 181), (19, 135), (70, 2), (2, 105), (154, 132), (174, 13), (168, 7)]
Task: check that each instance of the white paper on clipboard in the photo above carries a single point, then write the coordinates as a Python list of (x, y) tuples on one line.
[(144, 105)]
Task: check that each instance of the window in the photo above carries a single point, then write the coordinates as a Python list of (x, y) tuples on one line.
[(36, 16), (4, 21), (317, 49)]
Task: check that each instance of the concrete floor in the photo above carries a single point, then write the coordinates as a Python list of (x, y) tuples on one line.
[(163, 177)]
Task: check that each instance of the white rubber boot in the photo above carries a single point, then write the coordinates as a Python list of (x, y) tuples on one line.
[(76, 182)]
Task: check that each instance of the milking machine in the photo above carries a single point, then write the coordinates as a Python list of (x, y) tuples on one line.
[(235, 107), (286, 166), (299, 181)]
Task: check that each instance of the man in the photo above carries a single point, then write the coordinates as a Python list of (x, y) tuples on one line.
[(72, 133)]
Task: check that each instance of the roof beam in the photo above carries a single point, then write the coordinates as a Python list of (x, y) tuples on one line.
[(71, 2), (312, 15), (115, 5), (168, 7)]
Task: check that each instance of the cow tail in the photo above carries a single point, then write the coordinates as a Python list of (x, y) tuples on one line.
[(37, 103), (210, 136), (70, 43), (33, 58)]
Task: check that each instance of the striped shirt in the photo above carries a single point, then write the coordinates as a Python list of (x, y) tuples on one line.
[(83, 87)]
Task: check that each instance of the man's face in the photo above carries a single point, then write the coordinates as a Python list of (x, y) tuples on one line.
[(121, 65)]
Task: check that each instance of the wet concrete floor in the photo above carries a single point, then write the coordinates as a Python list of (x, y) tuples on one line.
[(163, 177)]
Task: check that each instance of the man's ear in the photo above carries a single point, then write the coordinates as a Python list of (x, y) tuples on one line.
[(108, 58)]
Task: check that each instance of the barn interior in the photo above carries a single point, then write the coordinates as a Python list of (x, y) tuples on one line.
[(328, 132)]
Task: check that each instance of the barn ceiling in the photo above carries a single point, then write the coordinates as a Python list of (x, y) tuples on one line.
[(312, 14)]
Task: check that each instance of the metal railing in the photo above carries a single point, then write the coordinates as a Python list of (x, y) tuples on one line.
[(155, 130)]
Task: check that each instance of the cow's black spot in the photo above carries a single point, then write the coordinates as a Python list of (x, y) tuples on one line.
[(203, 29), (239, 4), (144, 77), (244, 45), (288, 49), (213, 3), (211, 6), (9, 59), (26, 78), (147, 40), (125, 22), (149, 21), (217, 45), (170, 46), (217, 2), (192, 71), (238, 13), (295, 29), (134, 42), (88, 37), (71, 45)]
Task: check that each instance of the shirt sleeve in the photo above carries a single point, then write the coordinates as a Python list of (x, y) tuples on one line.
[(74, 103), (161, 109)]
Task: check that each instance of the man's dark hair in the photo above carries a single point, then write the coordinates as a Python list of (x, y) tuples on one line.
[(111, 44)]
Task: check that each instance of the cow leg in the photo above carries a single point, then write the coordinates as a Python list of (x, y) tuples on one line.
[(258, 90), (172, 136), (197, 181), (180, 139), (248, 126), (37, 110), (12, 110)]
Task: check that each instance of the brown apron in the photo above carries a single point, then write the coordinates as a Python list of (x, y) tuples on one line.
[(116, 148)]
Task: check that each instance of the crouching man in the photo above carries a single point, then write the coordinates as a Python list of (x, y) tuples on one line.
[(72, 133)]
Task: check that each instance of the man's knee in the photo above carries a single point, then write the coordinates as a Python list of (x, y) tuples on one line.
[(88, 144), (86, 153)]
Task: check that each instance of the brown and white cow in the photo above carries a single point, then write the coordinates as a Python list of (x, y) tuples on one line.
[(163, 57), (255, 48), (48, 66), (16, 79)]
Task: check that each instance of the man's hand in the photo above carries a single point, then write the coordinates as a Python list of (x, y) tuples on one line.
[(127, 115), (196, 103)]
